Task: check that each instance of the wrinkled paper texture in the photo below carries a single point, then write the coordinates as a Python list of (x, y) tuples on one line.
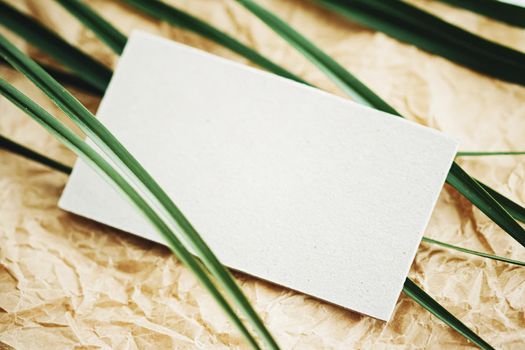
[(67, 282)]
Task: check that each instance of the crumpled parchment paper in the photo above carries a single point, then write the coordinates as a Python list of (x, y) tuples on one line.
[(66, 282)]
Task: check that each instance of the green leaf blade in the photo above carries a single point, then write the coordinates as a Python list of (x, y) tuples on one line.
[(489, 153), (346, 81), (159, 10), (426, 301), (513, 208), (23, 151), (65, 78), (91, 71), (511, 14), (477, 195), (102, 28), (420, 28), (474, 252)]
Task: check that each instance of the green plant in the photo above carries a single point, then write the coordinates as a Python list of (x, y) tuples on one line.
[(114, 39), (408, 23), (499, 10), (16, 148), (89, 70), (174, 16), (473, 252), (413, 291), (150, 190), (457, 177), (482, 196)]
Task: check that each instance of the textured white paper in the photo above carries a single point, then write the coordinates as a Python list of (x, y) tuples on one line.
[(285, 182)]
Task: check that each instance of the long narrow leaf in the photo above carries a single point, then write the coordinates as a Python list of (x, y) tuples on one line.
[(14, 147), (133, 170), (474, 252), (103, 168), (514, 209), (412, 290), (102, 28), (477, 195), (344, 79), (415, 26), (159, 10), (64, 78), (424, 20), (489, 153), (501, 11), (91, 71), (436, 32), (457, 177), (116, 40)]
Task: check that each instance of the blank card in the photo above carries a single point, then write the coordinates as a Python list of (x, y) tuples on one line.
[(284, 182)]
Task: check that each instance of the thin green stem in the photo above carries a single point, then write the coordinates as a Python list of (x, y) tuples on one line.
[(474, 252), (172, 15), (489, 153), (426, 301), (91, 71), (17, 148), (418, 27), (102, 28), (65, 78), (498, 10)]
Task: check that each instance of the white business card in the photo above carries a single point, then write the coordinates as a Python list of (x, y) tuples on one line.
[(285, 182)]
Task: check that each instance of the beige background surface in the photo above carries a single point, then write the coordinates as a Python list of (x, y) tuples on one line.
[(66, 282)]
